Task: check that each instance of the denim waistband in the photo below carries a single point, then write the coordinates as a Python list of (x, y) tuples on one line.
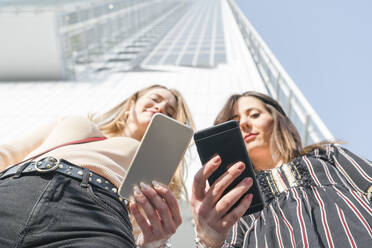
[(54, 165)]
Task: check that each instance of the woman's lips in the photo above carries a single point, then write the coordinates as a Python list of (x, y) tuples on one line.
[(152, 112), (250, 136)]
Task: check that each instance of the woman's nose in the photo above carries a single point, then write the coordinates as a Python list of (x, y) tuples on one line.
[(160, 107), (245, 124)]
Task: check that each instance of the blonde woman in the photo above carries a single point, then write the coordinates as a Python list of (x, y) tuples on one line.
[(65, 194), (319, 196)]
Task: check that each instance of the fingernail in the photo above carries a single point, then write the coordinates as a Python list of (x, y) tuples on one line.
[(144, 186), (240, 166), (156, 184), (249, 196), (136, 190), (247, 181), (217, 159)]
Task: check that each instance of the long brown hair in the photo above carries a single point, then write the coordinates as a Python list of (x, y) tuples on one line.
[(113, 122), (285, 141)]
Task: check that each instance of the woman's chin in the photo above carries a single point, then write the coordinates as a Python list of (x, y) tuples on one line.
[(250, 147), (253, 148), (145, 121)]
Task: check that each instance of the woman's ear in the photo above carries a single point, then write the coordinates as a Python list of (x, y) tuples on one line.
[(128, 108), (131, 104)]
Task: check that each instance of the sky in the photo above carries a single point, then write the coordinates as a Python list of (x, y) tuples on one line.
[(326, 48)]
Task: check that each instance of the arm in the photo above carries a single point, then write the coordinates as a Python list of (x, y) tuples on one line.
[(212, 219), (16, 151), (356, 170)]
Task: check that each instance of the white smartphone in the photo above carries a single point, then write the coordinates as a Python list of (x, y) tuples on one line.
[(159, 154)]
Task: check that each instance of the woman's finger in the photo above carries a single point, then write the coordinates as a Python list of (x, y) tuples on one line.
[(171, 201), (231, 218), (149, 210), (161, 207), (199, 184), (219, 186), (229, 199), (140, 219)]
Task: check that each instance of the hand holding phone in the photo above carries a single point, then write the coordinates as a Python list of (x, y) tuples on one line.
[(226, 140), (154, 206), (212, 217)]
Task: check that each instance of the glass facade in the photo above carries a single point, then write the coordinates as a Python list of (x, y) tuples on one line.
[(100, 37), (197, 39), (120, 35), (112, 35)]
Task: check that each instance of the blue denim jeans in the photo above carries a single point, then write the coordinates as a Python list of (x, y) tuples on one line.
[(53, 210)]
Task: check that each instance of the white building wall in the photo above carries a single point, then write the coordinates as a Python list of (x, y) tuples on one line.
[(29, 46)]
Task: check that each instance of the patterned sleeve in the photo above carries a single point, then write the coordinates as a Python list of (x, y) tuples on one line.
[(356, 170), (235, 238)]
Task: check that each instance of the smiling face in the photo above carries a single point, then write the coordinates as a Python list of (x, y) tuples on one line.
[(256, 124), (155, 100)]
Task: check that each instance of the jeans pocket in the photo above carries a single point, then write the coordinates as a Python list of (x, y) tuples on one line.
[(109, 204)]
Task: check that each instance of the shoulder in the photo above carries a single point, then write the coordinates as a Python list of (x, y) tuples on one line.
[(76, 124), (326, 151), (75, 120), (321, 149), (72, 128)]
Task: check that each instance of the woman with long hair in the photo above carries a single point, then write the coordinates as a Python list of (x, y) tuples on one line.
[(317, 196), (62, 189)]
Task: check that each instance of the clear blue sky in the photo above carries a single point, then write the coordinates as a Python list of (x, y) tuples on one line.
[(326, 48)]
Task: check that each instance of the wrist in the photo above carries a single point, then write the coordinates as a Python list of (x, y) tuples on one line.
[(164, 243), (202, 244)]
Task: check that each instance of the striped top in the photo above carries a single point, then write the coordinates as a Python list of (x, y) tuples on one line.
[(322, 199)]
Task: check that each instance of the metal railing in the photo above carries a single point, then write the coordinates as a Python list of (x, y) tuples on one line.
[(280, 86), (88, 38)]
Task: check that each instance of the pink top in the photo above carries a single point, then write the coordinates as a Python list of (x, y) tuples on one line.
[(109, 158)]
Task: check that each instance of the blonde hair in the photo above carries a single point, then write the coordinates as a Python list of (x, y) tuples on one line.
[(114, 120), (285, 142)]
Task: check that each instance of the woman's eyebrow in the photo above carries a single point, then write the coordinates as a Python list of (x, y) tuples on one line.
[(250, 109), (158, 95), (169, 105)]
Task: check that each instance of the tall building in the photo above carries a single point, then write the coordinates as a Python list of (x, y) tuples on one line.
[(62, 58)]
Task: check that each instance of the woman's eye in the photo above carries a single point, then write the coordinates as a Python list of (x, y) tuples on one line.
[(155, 99), (255, 115)]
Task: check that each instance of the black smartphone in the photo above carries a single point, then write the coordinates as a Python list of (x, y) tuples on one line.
[(226, 140)]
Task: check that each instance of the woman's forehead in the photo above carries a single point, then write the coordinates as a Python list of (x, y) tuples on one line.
[(164, 93), (247, 102)]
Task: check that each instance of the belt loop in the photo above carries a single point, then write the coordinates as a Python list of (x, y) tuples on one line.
[(85, 179), (20, 170)]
